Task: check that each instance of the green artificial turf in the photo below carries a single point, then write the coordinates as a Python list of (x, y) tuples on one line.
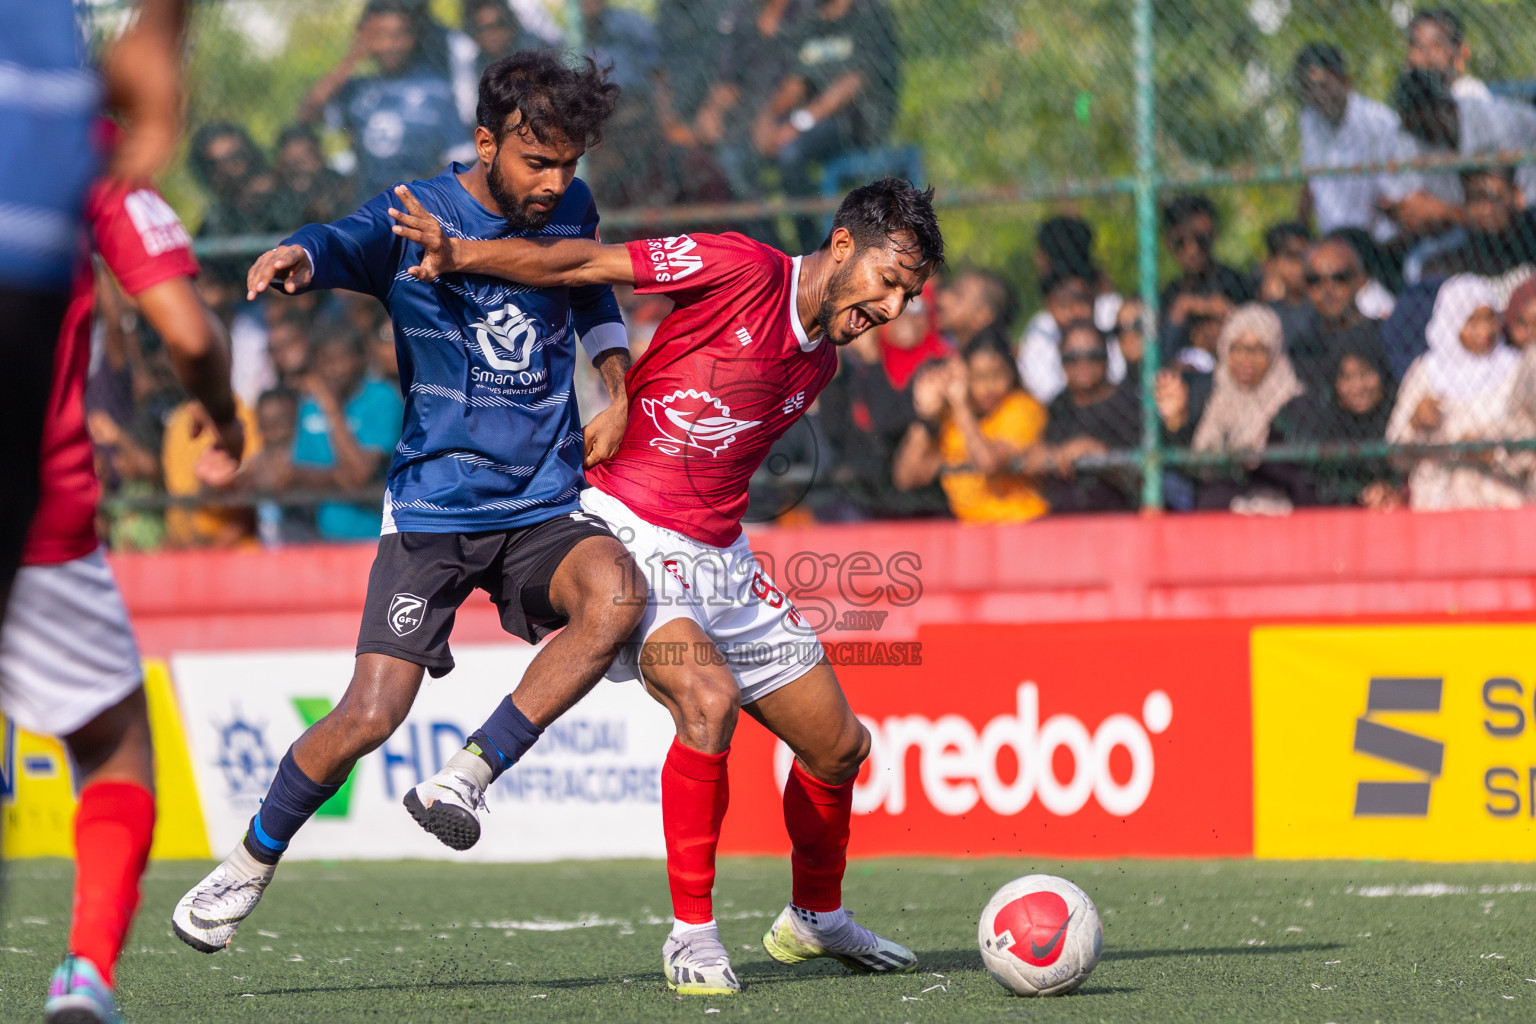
[(1183, 941)]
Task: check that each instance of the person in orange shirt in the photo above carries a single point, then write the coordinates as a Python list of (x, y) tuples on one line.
[(185, 451), (978, 427)]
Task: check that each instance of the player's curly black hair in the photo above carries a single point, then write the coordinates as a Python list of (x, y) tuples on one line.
[(893, 210), (558, 98)]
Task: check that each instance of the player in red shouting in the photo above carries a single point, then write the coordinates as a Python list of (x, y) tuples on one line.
[(69, 665), (747, 350)]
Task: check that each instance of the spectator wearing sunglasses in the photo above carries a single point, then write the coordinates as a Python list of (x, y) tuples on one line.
[(1090, 415), (1069, 296), (1334, 275), (1204, 287)]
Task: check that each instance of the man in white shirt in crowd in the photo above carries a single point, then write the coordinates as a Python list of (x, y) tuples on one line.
[(1341, 128), (1436, 42), (1068, 276), (1440, 122)]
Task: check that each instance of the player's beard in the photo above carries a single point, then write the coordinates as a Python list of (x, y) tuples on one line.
[(831, 307), (518, 212)]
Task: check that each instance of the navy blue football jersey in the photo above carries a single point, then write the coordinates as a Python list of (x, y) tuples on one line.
[(492, 436)]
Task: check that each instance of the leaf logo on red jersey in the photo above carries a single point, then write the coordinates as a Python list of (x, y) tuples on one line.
[(694, 419)]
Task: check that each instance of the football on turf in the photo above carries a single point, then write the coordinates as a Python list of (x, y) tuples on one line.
[(1040, 936)]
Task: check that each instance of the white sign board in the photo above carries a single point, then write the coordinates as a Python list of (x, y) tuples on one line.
[(590, 788)]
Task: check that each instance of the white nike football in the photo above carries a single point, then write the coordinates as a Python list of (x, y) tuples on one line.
[(1040, 936)]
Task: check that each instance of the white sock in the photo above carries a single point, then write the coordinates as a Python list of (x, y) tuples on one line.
[(473, 766), (821, 920), (244, 865), (681, 929)]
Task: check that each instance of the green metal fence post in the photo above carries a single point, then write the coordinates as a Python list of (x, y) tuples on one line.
[(1146, 252)]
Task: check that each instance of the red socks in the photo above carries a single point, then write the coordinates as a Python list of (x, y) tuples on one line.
[(113, 829), (694, 792), (816, 816)]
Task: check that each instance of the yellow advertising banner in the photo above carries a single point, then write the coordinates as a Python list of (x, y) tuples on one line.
[(1399, 742)]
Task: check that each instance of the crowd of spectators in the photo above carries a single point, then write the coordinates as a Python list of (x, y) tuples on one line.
[(784, 90), (1399, 306)]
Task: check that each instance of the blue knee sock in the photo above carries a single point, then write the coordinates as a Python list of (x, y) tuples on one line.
[(290, 802), (504, 738)]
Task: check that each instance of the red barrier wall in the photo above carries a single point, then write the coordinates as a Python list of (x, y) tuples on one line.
[(1083, 682), (1312, 564)]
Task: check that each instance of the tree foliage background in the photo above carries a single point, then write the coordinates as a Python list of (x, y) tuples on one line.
[(996, 94)]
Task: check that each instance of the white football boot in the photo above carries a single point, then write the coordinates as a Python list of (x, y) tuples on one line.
[(211, 911), (446, 805), (800, 935), (696, 964)]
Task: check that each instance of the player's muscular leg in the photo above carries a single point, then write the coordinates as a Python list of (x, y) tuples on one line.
[(703, 697), (376, 702), (115, 746), (602, 593), (813, 718)]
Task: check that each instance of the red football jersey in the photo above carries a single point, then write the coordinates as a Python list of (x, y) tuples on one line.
[(143, 244), (729, 370)]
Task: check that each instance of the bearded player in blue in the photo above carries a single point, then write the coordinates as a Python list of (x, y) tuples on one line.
[(482, 491)]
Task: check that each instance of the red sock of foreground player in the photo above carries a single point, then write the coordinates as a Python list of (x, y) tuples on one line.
[(113, 829), (816, 816), (694, 792)]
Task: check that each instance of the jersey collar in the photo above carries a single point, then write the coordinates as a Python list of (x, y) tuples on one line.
[(806, 344)]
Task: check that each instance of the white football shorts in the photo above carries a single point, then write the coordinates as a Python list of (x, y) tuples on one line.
[(67, 652), (755, 627)]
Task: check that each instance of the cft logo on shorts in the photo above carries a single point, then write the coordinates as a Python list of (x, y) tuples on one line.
[(405, 613)]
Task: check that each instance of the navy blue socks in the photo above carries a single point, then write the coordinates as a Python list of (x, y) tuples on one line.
[(292, 799), (504, 738)]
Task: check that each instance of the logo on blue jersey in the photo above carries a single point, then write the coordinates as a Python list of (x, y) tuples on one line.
[(506, 338)]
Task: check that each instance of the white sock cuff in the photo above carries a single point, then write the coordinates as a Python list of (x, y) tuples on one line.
[(681, 928), (472, 766), (821, 920), (247, 866)]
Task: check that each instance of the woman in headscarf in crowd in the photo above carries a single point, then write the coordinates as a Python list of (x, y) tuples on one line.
[(1354, 408), (1254, 380), (1520, 332), (1520, 317), (1461, 390)]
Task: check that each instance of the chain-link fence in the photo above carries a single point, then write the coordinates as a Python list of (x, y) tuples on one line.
[(1199, 249)]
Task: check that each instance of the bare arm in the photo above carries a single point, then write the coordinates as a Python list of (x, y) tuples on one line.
[(198, 346), (766, 126), (836, 96), (918, 460), (603, 434), (540, 262), (143, 78), (354, 464), (323, 91), (985, 455)]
